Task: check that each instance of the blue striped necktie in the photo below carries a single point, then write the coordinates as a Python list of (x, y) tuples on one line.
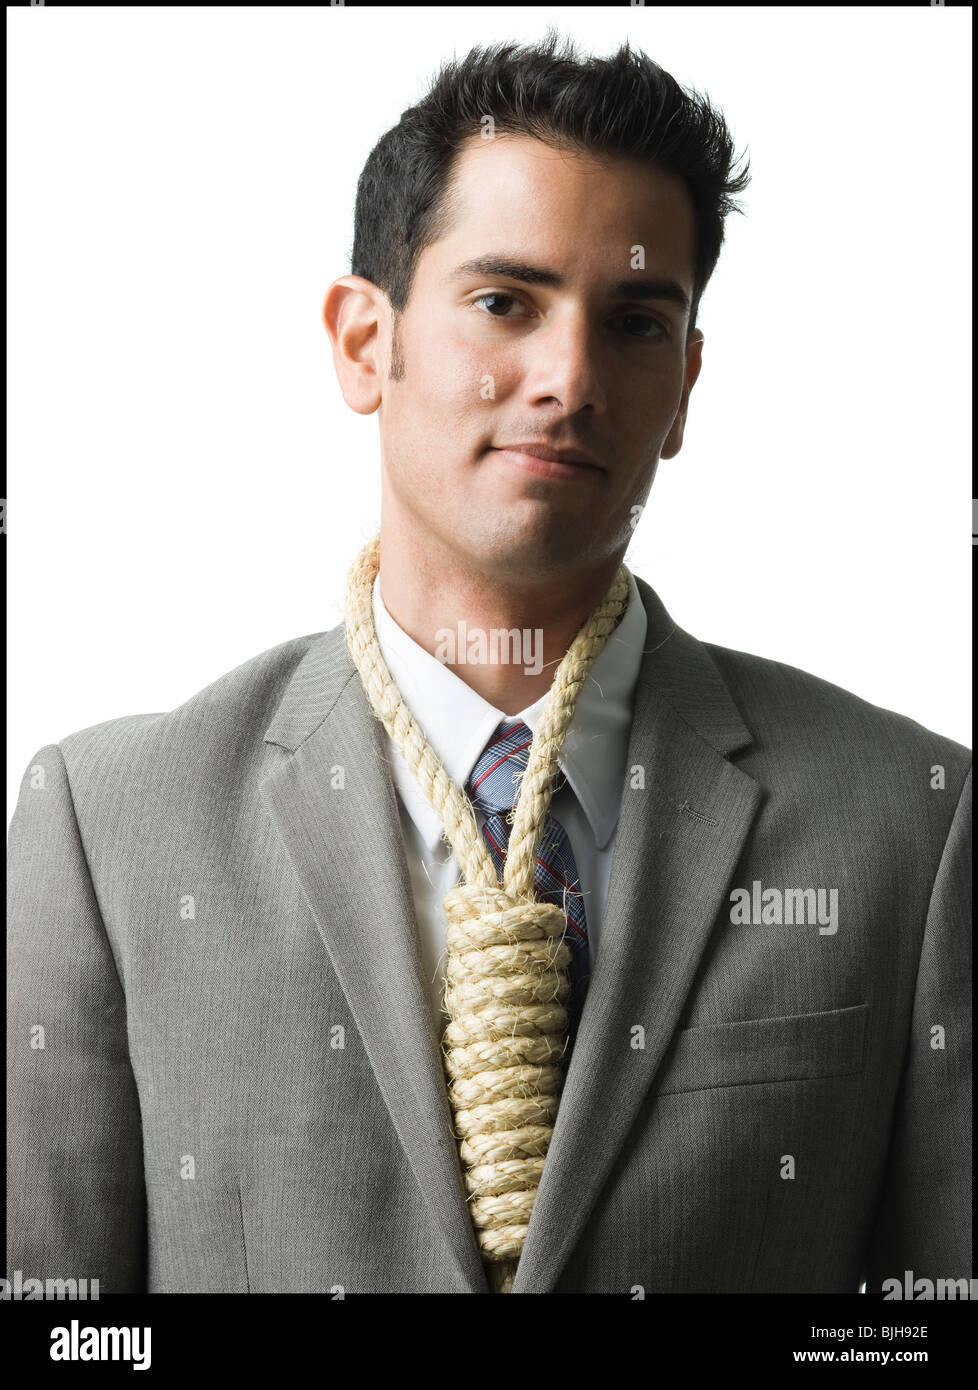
[(492, 789)]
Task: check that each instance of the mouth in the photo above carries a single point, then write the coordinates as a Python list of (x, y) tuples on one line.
[(552, 467)]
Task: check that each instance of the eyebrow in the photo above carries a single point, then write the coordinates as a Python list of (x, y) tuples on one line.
[(663, 289)]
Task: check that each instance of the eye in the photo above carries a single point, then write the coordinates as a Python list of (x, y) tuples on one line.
[(495, 295), (648, 319), (633, 318)]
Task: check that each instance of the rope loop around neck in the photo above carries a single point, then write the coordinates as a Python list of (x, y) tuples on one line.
[(449, 802)]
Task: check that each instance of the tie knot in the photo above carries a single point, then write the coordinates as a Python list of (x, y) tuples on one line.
[(492, 784)]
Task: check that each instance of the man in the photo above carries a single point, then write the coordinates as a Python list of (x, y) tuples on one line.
[(227, 943)]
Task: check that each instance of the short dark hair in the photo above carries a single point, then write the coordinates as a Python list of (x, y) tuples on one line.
[(625, 104)]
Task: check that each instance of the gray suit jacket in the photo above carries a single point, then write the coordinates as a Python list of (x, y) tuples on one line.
[(239, 1089)]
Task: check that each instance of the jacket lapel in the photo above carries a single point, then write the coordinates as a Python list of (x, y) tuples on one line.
[(678, 841), (346, 847), (677, 844)]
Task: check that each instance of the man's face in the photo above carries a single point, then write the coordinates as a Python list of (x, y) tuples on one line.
[(487, 359)]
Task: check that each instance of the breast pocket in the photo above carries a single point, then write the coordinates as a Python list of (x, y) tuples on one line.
[(794, 1047)]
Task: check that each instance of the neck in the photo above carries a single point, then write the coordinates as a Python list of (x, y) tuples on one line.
[(501, 633)]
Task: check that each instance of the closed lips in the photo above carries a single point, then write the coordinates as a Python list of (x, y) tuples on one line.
[(550, 455)]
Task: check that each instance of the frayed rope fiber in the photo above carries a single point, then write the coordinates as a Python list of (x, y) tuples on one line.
[(506, 978)]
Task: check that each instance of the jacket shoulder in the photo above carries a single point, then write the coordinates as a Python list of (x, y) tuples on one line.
[(793, 712), (232, 710)]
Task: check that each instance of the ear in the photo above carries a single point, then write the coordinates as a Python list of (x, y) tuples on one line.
[(357, 318), (694, 361)]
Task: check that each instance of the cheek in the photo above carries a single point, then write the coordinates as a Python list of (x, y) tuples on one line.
[(468, 367), (452, 376), (465, 387), (480, 374)]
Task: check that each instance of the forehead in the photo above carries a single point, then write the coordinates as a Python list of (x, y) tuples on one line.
[(588, 208)]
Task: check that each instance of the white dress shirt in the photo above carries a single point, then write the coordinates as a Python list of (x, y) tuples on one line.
[(458, 724)]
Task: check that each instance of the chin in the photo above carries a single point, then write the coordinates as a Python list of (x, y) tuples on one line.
[(534, 545)]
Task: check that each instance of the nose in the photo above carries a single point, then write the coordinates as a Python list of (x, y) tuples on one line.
[(560, 364)]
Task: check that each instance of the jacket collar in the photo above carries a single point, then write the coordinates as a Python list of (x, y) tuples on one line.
[(674, 663)]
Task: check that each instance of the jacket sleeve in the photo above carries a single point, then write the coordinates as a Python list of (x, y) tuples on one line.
[(75, 1189), (923, 1223)]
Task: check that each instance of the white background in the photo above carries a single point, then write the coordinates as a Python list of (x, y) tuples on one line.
[(189, 489)]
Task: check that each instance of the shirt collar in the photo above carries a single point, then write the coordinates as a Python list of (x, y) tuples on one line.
[(458, 722)]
